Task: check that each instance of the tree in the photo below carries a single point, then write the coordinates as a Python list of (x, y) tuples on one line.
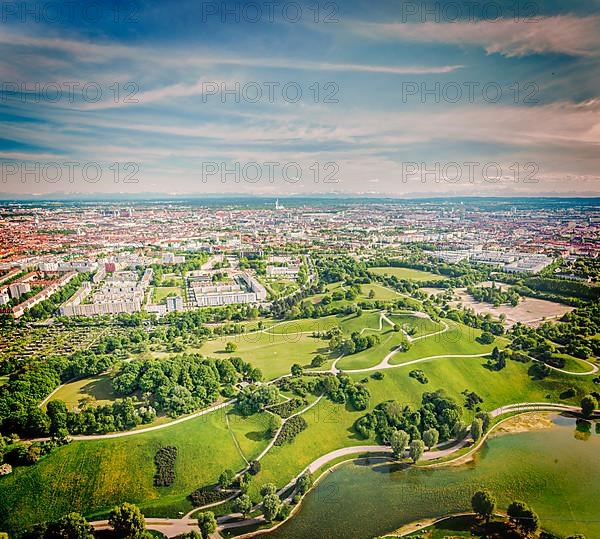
[(254, 467), (268, 488), (57, 412), (207, 523), (296, 370), (71, 526), (483, 504), (243, 504), (318, 360), (274, 425), (588, 405), (271, 506), (230, 347), (304, 482), (127, 521), (226, 478), (476, 429), (431, 437), (486, 338), (399, 441), (523, 517), (416, 450)]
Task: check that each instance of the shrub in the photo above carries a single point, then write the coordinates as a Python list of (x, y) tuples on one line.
[(287, 408), (206, 495), (290, 429), (165, 466), (418, 375)]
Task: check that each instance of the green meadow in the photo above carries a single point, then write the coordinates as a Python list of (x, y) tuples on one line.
[(407, 274), (92, 476)]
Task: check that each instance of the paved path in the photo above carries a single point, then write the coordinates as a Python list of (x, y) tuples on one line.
[(386, 450), (155, 427)]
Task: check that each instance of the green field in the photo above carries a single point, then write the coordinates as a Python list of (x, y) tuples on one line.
[(161, 292), (407, 274), (272, 354), (98, 389), (275, 350), (93, 476)]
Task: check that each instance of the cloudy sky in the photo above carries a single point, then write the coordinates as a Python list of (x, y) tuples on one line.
[(398, 98)]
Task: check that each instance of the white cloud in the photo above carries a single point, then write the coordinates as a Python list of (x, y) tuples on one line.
[(567, 34)]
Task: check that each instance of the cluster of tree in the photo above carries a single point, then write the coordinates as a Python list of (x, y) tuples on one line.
[(356, 343), (494, 294), (164, 460), (521, 518), (287, 307), (342, 268), (126, 521), (341, 389), (472, 400), (437, 411), (419, 375), (289, 407), (24, 454), (253, 399), (291, 428), (207, 495), (575, 331), (46, 308), (563, 288), (182, 383), (300, 386), (470, 318)]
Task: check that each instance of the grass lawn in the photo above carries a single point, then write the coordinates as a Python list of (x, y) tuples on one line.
[(407, 274), (329, 428), (422, 326), (161, 292), (458, 340), (98, 388), (292, 342), (272, 354), (380, 292), (92, 476)]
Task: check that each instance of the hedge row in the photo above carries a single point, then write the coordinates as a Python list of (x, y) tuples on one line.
[(165, 466), (291, 428)]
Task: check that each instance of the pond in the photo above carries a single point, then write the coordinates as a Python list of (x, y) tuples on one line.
[(556, 470)]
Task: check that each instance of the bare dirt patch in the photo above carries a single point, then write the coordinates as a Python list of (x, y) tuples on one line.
[(530, 311)]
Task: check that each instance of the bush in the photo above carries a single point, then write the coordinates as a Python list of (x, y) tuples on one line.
[(287, 408), (290, 429), (206, 495), (254, 467), (419, 375), (165, 466), (378, 375)]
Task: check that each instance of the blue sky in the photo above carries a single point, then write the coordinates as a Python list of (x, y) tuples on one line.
[(379, 103)]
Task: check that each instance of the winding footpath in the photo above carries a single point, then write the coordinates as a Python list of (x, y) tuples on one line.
[(174, 527)]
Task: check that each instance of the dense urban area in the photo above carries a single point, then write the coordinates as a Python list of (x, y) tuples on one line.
[(208, 367)]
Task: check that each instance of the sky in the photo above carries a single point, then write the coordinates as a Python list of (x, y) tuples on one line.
[(276, 98)]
